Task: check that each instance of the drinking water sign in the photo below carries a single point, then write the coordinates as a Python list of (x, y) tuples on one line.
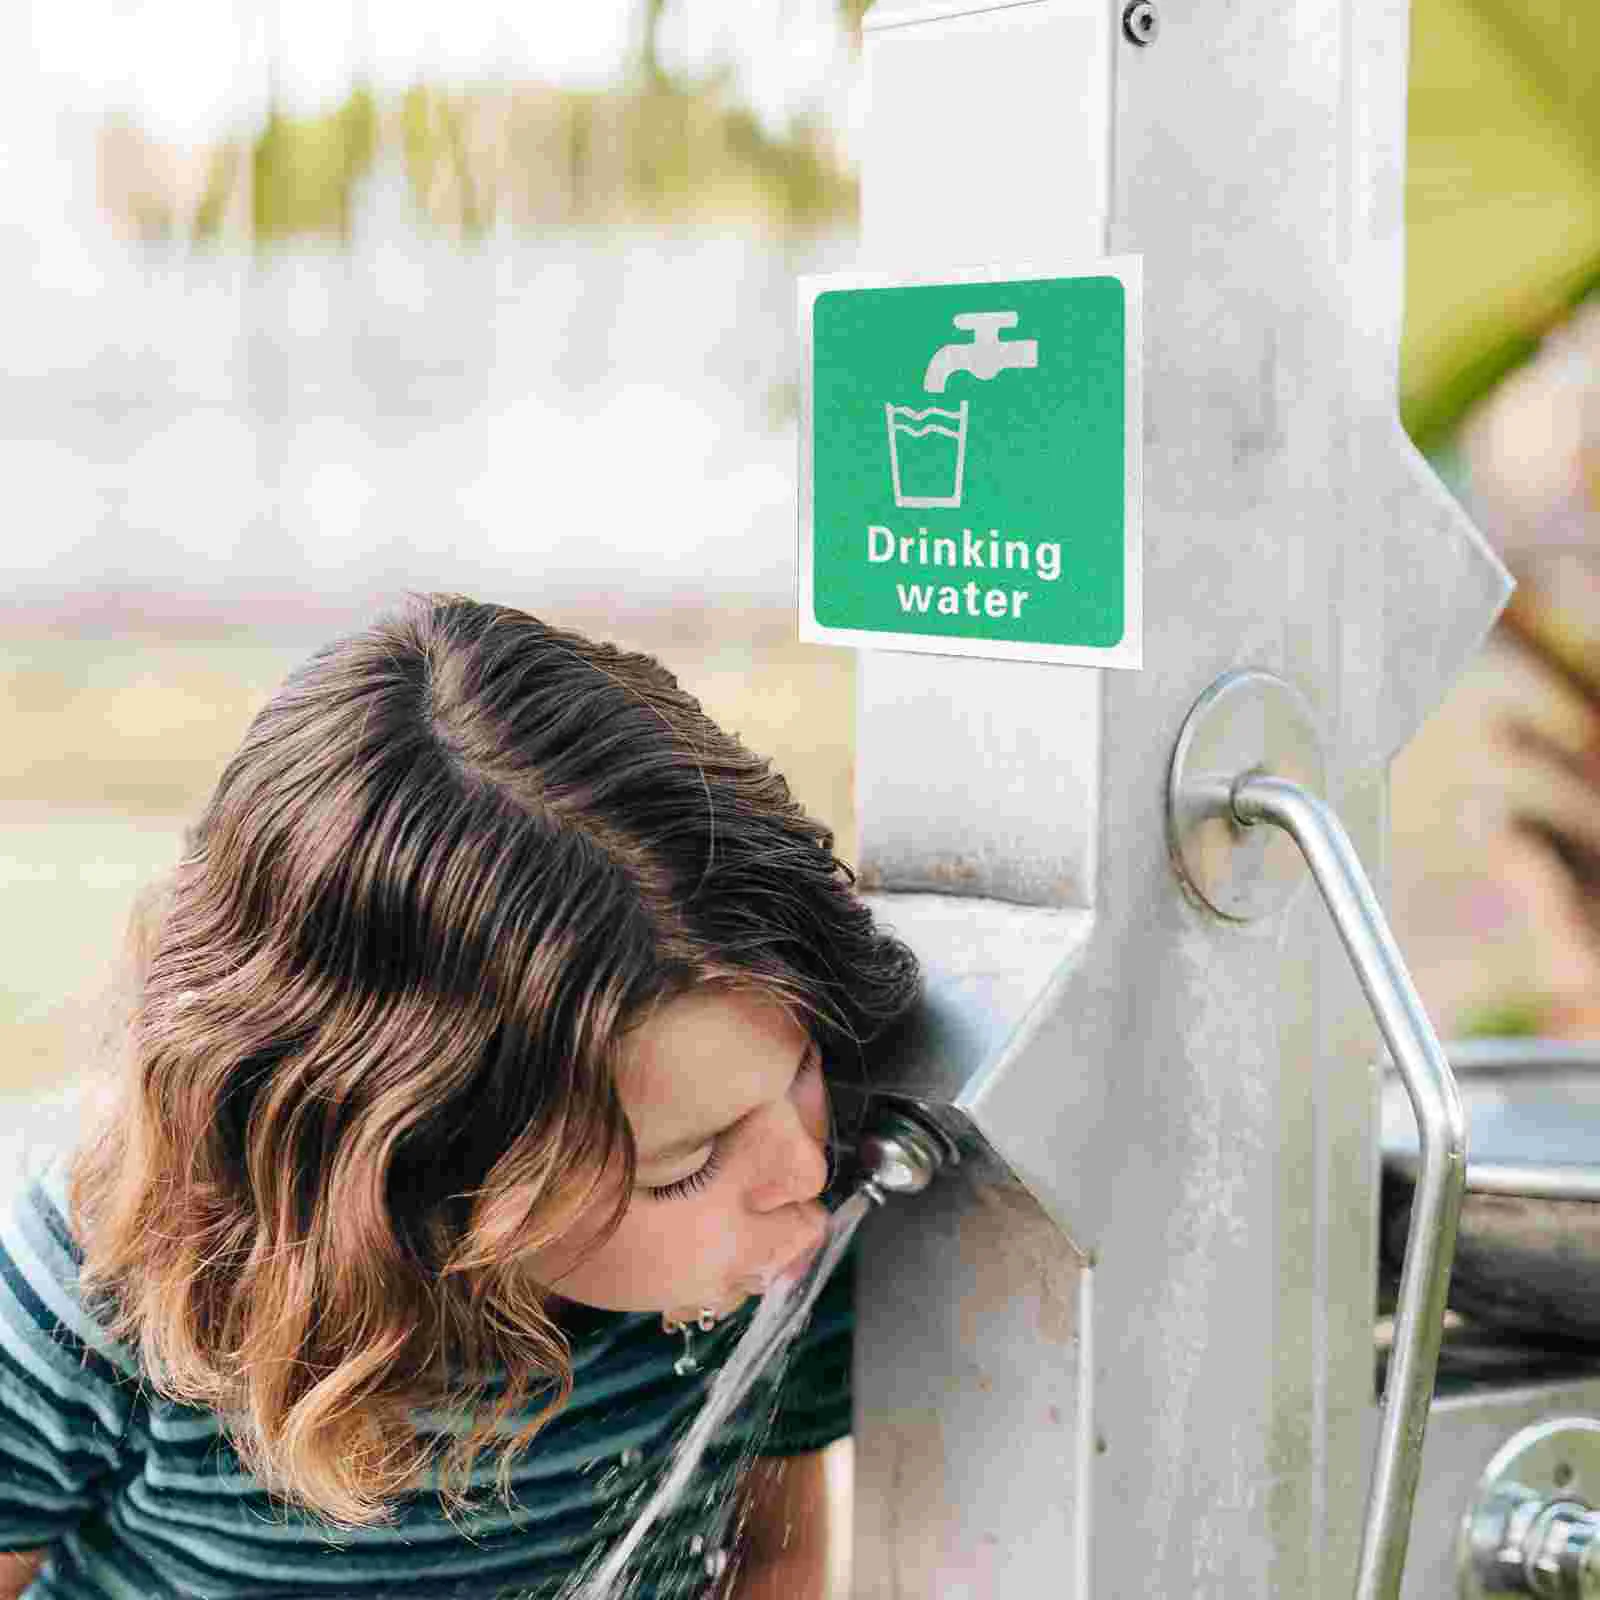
[(970, 471)]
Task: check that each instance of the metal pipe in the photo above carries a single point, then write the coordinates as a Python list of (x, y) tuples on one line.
[(1442, 1134)]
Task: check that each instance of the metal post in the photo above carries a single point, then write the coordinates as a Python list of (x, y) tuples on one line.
[(1126, 1349)]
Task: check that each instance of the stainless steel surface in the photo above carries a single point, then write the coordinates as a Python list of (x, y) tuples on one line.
[(989, 969), (1442, 1128), (1471, 1058), (1534, 1111), (1531, 1526), (1143, 1320), (1528, 1243), (1246, 719), (975, 1427), (1528, 1181)]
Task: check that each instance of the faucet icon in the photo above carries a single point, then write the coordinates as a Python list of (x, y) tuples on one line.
[(986, 355)]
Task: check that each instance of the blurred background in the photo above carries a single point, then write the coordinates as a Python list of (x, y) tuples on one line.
[(308, 304)]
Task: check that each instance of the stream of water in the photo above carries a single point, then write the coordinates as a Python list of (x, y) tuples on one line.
[(772, 1330)]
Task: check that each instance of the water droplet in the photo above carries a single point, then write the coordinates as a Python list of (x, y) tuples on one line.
[(716, 1563), (697, 1544)]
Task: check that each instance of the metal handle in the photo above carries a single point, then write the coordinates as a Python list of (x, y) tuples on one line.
[(1442, 1133)]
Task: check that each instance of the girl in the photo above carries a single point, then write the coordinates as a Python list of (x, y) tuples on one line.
[(473, 1065)]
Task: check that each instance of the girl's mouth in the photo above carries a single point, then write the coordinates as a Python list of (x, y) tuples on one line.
[(795, 1269)]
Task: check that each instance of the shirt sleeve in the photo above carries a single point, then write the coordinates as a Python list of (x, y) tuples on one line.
[(66, 1390), (813, 1406)]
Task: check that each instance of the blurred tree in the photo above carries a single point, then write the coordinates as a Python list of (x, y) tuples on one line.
[(659, 146), (221, 176), (304, 170), (436, 138)]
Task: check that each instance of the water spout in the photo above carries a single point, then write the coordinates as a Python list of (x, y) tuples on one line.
[(900, 1153)]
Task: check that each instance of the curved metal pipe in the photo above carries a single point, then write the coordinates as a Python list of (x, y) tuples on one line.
[(1442, 1135)]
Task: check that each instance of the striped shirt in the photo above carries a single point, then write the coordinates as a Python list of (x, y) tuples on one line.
[(139, 1498)]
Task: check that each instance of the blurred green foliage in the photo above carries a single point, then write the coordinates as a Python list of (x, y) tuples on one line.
[(1510, 1019), (1502, 194), (530, 157), (304, 171), (659, 146)]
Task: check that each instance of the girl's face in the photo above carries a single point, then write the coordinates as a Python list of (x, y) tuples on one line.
[(729, 1112)]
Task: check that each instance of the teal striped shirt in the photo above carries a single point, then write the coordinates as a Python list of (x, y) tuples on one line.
[(139, 1498)]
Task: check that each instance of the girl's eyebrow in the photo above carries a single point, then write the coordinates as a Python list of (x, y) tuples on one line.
[(692, 1142)]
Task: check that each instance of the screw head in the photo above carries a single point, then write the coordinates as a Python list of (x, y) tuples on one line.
[(1140, 22)]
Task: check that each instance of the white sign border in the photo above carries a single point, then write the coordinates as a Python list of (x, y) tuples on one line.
[(1128, 653)]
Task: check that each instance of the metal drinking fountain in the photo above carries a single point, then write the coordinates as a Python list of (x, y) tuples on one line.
[(1122, 1343)]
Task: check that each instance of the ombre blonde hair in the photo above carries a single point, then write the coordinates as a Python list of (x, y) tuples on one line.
[(365, 1057)]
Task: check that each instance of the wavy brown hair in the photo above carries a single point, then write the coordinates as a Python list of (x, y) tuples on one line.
[(367, 1058)]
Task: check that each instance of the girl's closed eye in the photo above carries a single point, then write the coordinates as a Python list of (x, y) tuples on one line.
[(703, 1175), (697, 1179)]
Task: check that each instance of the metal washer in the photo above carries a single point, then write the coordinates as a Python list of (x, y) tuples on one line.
[(1249, 720)]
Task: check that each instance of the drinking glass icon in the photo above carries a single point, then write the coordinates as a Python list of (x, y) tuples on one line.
[(926, 459)]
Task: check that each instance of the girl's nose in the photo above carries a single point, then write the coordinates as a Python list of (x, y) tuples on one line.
[(794, 1165)]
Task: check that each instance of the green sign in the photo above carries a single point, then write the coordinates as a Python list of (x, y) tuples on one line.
[(970, 464)]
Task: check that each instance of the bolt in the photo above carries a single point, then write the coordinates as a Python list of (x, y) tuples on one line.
[(1140, 22)]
